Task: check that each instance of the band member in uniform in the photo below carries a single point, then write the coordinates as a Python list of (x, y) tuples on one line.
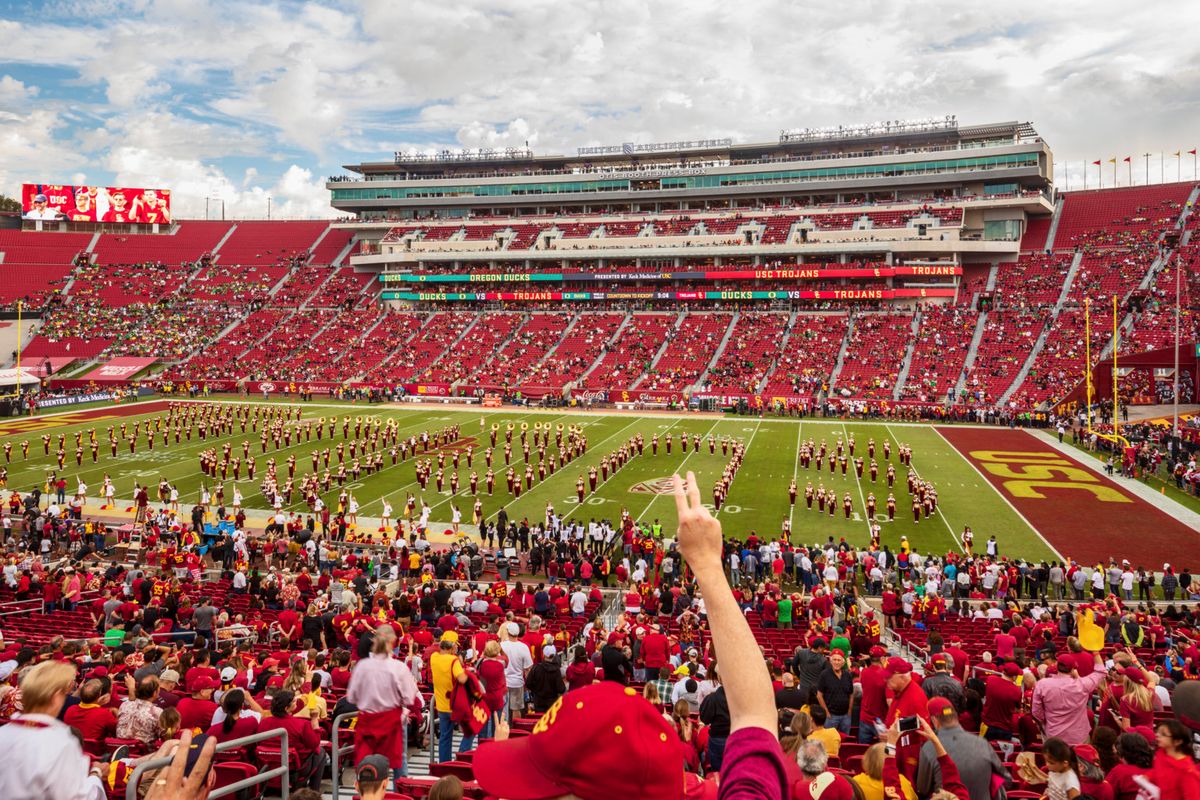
[(821, 499), (792, 492), (579, 488), (891, 476), (808, 495), (968, 539), (916, 509), (871, 505), (847, 505)]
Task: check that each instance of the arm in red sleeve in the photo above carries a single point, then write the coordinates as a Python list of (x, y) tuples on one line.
[(951, 782)]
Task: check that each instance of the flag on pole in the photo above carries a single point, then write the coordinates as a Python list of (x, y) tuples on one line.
[(1178, 153), (1192, 152), (1127, 161), (1097, 163), (1113, 160)]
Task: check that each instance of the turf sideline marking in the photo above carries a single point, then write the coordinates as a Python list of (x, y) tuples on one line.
[(953, 536), (678, 470), (750, 441), (858, 482), (988, 484), (795, 474)]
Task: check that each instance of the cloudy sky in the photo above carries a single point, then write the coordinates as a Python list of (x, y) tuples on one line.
[(245, 100)]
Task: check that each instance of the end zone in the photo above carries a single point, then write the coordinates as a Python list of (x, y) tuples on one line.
[(1083, 515)]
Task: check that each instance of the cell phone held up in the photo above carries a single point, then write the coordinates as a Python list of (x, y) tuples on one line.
[(909, 724)]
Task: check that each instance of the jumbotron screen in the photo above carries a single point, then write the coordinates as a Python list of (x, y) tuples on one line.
[(45, 201)]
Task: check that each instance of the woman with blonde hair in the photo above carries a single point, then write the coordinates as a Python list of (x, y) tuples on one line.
[(1137, 700), (650, 692), (870, 778)]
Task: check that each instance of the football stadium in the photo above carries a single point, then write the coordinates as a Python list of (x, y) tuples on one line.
[(848, 460)]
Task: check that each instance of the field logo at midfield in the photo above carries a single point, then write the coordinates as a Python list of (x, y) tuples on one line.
[(1027, 473), (653, 486)]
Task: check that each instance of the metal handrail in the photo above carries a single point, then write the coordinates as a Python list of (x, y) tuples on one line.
[(336, 750), (281, 771)]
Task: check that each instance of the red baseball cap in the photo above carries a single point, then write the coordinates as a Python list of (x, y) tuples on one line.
[(897, 666), (631, 751), (1136, 674), (940, 706), (1012, 669), (877, 652)]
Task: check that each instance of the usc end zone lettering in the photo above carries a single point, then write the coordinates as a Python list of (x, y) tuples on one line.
[(1026, 474)]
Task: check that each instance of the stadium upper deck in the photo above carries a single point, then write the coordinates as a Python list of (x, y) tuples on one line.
[(883, 161)]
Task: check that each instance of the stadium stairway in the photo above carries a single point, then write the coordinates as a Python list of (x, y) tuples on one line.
[(1036, 350), (841, 357), (496, 351), (902, 376), (783, 345), (616, 337), (1163, 260), (712, 362), (662, 348), (972, 351), (449, 348), (316, 290), (217, 247), (537, 365), (395, 351), (344, 254), (1058, 209)]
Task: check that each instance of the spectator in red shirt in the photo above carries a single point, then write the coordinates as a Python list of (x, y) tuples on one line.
[(1002, 703), (201, 668), (907, 701), (91, 716), (873, 680), (197, 710), (302, 735), (656, 651)]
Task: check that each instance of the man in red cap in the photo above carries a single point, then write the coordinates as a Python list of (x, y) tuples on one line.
[(907, 701), (874, 706), (1001, 703), (197, 710), (974, 758), (600, 741)]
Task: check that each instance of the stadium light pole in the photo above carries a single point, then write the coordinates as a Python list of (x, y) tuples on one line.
[(268, 208)]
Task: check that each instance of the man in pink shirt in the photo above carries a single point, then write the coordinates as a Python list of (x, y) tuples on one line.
[(1060, 701)]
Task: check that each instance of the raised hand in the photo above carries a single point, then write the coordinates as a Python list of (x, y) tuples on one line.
[(700, 538)]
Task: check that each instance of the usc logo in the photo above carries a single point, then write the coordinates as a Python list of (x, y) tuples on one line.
[(548, 718)]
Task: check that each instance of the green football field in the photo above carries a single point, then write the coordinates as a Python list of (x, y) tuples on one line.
[(757, 501)]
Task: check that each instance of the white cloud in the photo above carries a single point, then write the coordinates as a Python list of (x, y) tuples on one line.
[(192, 89)]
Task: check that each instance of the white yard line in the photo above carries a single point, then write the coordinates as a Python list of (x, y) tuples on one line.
[(591, 447), (679, 470), (862, 498), (757, 425), (954, 536), (988, 483), (795, 475), (600, 485)]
